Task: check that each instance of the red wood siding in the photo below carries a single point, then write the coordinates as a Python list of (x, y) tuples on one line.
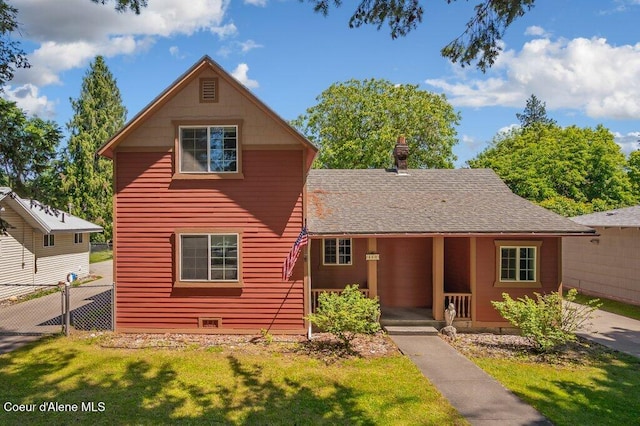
[(404, 272), (456, 265), (486, 276), (338, 276), (266, 206)]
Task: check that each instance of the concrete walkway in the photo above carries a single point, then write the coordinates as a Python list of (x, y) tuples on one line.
[(614, 331), (471, 391), (25, 322)]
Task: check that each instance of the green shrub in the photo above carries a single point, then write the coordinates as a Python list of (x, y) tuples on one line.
[(346, 314), (546, 320)]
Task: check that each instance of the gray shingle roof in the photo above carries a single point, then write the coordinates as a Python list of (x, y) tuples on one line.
[(424, 201), (628, 217), (44, 218)]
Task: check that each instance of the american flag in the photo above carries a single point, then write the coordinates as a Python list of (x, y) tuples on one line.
[(290, 261)]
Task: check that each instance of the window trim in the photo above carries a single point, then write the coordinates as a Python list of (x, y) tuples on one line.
[(518, 244), (337, 240), (78, 238), (177, 239), (48, 240), (178, 174)]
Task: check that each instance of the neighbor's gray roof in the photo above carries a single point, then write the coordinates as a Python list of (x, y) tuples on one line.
[(44, 218), (424, 201), (628, 217)]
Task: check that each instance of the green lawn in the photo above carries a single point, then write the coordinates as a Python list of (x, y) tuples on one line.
[(100, 256), (613, 306), (598, 388), (214, 385)]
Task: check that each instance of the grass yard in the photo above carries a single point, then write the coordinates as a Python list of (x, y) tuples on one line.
[(613, 306), (100, 256), (213, 385), (589, 385)]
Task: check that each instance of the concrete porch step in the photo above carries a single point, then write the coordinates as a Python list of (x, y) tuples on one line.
[(407, 330)]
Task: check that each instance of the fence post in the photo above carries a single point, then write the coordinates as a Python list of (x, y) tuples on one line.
[(67, 309), (62, 296)]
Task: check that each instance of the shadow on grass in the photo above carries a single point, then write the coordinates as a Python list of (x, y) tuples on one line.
[(608, 398), (138, 389)]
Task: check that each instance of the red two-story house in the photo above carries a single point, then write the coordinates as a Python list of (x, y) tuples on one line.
[(212, 189)]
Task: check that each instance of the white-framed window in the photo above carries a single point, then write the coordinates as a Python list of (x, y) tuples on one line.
[(78, 238), (518, 263), (49, 240), (209, 257), (337, 251), (208, 149)]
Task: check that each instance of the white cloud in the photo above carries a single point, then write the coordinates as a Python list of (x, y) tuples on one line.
[(535, 30), (249, 45), (585, 74), (261, 3), (240, 74), (69, 34), (628, 142), (28, 99)]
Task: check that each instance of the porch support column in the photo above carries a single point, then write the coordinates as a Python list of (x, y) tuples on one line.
[(473, 262), (438, 278), (372, 268)]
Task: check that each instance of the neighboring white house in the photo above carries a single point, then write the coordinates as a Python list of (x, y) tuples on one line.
[(607, 265), (39, 245)]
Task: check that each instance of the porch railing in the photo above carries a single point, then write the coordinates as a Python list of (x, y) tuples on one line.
[(315, 293), (462, 303)]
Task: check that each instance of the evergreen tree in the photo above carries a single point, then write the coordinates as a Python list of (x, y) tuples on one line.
[(535, 112), (98, 115)]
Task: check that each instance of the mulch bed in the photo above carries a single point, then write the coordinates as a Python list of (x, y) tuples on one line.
[(322, 346), (325, 347)]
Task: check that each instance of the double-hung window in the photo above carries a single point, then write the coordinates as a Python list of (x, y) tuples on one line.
[(209, 149), (209, 257), (337, 251), (77, 238), (518, 262), (49, 240)]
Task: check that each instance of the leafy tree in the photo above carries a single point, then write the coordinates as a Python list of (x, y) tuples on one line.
[(356, 124), (535, 112), (11, 54), (568, 169), (480, 39), (634, 172), (98, 115), (27, 146)]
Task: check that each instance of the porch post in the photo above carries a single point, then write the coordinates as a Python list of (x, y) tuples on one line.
[(438, 278), (472, 277), (372, 268)]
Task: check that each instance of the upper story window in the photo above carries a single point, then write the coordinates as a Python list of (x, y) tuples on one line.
[(337, 251), (78, 238), (518, 263), (49, 240), (209, 149)]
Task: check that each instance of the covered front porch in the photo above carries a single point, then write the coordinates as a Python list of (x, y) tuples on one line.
[(414, 277)]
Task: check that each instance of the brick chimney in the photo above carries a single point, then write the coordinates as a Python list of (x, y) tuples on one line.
[(400, 154)]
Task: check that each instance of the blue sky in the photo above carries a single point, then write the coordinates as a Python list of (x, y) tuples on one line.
[(581, 57)]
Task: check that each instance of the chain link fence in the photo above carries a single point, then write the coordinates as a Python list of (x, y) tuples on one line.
[(49, 309)]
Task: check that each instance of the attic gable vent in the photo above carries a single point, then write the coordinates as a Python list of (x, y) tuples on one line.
[(208, 90)]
